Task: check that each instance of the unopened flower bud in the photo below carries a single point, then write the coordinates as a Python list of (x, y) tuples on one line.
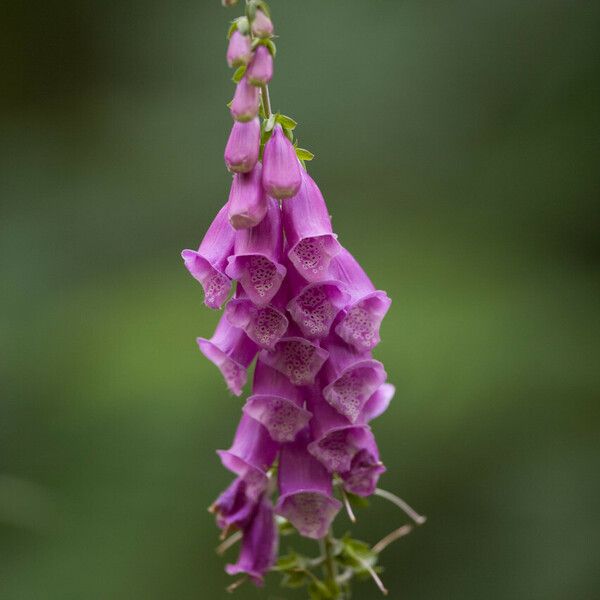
[(243, 145), (260, 70), (247, 199), (262, 26), (244, 106), (239, 51), (281, 169)]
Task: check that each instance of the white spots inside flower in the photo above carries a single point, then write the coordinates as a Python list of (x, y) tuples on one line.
[(309, 254), (313, 311), (308, 512), (335, 451), (360, 327), (282, 420), (348, 394), (297, 361), (216, 288), (234, 375), (261, 274), (266, 325)]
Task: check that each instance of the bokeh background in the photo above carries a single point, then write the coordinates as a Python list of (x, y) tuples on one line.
[(457, 145)]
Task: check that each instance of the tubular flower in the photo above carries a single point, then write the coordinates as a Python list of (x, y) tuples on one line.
[(239, 50), (311, 241), (207, 264), (360, 324), (244, 106), (276, 403), (260, 70), (259, 544), (281, 170), (262, 26), (306, 498), (364, 471), (234, 507), (231, 351), (243, 146), (247, 200), (256, 262)]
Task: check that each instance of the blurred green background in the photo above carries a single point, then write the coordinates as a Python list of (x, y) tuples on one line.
[(457, 145)]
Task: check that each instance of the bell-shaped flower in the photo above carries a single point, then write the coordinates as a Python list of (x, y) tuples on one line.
[(335, 441), (310, 238), (259, 547), (349, 379), (378, 403), (281, 169), (297, 358), (276, 403), (360, 324), (208, 263), (247, 199), (260, 70), (243, 146), (251, 455), (264, 325), (262, 26), (244, 106), (364, 472), (231, 351), (256, 263), (314, 306), (239, 49), (306, 498), (234, 507)]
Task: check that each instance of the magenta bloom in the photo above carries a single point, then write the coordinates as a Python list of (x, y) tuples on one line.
[(244, 106), (208, 263), (234, 507), (364, 472), (281, 169), (247, 200), (276, 403), (314, 306), (378, 403), (297, 358), (260, 70), (231, 351), (251, 455), (363, 317), (311, 241), (239, 50), (243, 145), (336, 442), (256, 263), (306, 498), (350, 379), (262, 26), (259, 544), (263, 325)]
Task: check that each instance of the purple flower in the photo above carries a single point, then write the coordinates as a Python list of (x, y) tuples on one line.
[(378, 403), (251, 455), (243, 145), (239, 50), (281, 169), (360, 325), (276, 403), (308, 231), (256, 263), (306, 498), (364, 472), (259, 544), (336, 442), (262, 26), (234, 508), (231, 351), (208, 263), (297, 358), (260, 70), (244, 106), (263, 325), (314, 306), (247, 200), (349, 379)]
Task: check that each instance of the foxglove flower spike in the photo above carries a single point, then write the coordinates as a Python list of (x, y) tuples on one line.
[(247, 199), (243, 146), (281, 170)]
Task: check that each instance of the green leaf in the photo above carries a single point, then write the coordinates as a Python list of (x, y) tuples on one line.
[(286, 122), (264, 7), (288, 134), (294, 579), (251, 10), (239, 73), (319, 591), (357, 501), (232, 28), (271, 47), (356, 554), (287, 562), (270, 123), (303, 154)]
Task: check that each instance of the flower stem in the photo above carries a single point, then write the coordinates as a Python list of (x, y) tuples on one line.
[(266, 100), (331, 567)]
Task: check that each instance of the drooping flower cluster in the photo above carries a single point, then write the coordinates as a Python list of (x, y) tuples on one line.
[(305, 312)]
